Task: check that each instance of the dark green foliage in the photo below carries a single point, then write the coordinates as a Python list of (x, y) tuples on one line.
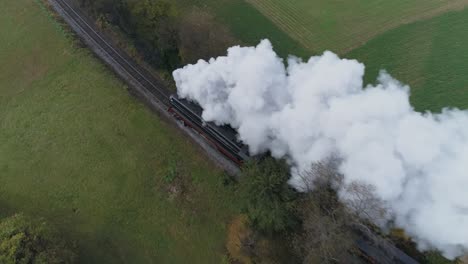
[(110, 9), (166, 37), (26, 240), (269, 200), (151, 24), (434, 257)]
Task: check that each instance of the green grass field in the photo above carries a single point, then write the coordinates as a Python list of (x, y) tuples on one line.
[(430, 56), (76, 149), (341, 26), (248, 25), (420, 42)]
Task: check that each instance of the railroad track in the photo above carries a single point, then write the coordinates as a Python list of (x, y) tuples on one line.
[(150, 86), (143, 84), (138, 74)]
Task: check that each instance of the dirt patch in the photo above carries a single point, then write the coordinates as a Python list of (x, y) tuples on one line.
[(23, 71), (238, 240), (246, 246), (33, 68)]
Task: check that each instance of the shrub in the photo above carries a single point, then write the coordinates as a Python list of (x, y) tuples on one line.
[(25, 240), (269, 200)]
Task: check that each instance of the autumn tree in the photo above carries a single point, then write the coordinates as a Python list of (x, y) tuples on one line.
[(325, 236), (334, 214)]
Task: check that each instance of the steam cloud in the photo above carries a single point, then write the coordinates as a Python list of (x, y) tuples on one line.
[(306, 111)]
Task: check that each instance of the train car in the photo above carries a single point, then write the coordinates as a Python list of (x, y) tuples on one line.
[(391, 255), (223, 138)]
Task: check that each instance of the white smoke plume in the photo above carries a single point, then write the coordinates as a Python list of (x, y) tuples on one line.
[(306, 111)]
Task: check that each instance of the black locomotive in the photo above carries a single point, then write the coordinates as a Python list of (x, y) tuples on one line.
[(223, 138)]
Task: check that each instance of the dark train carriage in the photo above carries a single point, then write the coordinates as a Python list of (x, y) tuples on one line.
[(390, 255), (224, 138)]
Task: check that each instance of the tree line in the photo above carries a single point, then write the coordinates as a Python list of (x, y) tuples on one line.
[(166, 35), (314, 226), (318, 225)]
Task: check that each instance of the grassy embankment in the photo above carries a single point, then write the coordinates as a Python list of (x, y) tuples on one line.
[(422, 42), (341, 26), (430, 56), (247, 24), (76, 149)]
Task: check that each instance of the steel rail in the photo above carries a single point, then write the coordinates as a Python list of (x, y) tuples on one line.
[(102, 44)]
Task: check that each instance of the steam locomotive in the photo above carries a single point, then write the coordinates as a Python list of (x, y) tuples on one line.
[(223, 138)]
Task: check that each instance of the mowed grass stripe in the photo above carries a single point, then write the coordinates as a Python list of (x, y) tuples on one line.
[(287, 7), (346, 25), (370, 31), (408, 14), (283, 22), (270, 11), (317, 39), (333, 40), (239, 16), (429, 55)]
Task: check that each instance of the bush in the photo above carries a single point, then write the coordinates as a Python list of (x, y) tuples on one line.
[(151, 24), (434, 257), (166, 35), (24, 240), (269, 200)]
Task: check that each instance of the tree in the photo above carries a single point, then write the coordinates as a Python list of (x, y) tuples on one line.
[(334, 215), (109, 8), (363, 204), (325, 236), (269, 200), (153, 24), (24, 240)]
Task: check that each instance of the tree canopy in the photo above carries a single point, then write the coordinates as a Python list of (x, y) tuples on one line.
[(165, 35), (24, 240), (269, 200)]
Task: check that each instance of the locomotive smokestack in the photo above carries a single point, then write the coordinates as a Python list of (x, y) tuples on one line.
[(307, 111)]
